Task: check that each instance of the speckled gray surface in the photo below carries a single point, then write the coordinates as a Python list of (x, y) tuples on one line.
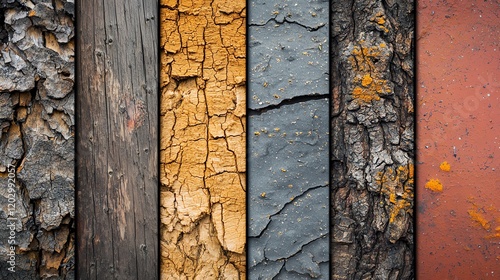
[(288, 51), (288, 194)]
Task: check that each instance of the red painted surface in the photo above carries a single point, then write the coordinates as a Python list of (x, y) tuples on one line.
[(458, 121)]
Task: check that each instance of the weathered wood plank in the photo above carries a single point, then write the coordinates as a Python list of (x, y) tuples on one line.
[(117, 139)]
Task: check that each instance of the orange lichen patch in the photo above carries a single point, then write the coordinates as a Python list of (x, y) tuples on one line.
[(392, 198), (370, 84), (364, 95), (380, 19), (477, 217), (445, 166), (434, 185), (397, 188), (367, 80), (402, 204)]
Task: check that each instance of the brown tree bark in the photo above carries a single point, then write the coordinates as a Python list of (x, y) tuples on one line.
[(372, 48), (202, 139), (37, 206)]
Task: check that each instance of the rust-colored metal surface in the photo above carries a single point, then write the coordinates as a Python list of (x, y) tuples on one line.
[(458, 147)]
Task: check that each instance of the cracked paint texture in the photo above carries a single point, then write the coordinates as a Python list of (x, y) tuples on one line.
[(288, 140), (37, 138), (202, 171)]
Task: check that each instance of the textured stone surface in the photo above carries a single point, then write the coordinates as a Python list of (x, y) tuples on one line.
[(288, 140), (372, 164), (289, 49), (203, 139), (37, 136)]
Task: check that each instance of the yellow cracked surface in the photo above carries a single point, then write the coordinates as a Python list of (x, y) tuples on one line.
[(202, 144)]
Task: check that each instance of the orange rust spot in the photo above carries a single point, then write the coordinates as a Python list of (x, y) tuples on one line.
[(31, 13), (496, 235), (445, 166), (434, 185), (477, 217)]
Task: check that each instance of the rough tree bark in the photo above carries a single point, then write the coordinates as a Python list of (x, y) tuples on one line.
[(37, 137), (117, 147), (372, 50), (202, 139), (288, 140)]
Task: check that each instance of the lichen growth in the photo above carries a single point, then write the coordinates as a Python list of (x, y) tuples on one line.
[(369, 83), (445, 166), (397, 188), (434, 185), (380, 20)]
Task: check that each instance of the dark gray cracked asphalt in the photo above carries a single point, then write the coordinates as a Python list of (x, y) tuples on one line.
[(288, 195)]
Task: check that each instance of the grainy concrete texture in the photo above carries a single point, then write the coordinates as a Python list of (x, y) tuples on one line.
[(37, 138), (202, 146), (288, 140), (458, 140), (372, 141)]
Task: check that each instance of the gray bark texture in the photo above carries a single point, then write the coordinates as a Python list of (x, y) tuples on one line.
[(37, 138), (288, 194), (372, 50)]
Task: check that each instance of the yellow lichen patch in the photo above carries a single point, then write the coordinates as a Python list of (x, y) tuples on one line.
[(367, 80), (402, 204), (477, 217), (364, 95), (434, 185), (380, 20), (445, 166), (397, 188), (369, 83)]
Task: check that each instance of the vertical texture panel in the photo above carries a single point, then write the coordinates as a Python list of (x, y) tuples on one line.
[(372, 139), (288, 140), (202, 144), (117, 144), (37, 205), (458, 140)]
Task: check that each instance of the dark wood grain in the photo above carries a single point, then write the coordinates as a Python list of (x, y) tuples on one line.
[(117, 139)]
